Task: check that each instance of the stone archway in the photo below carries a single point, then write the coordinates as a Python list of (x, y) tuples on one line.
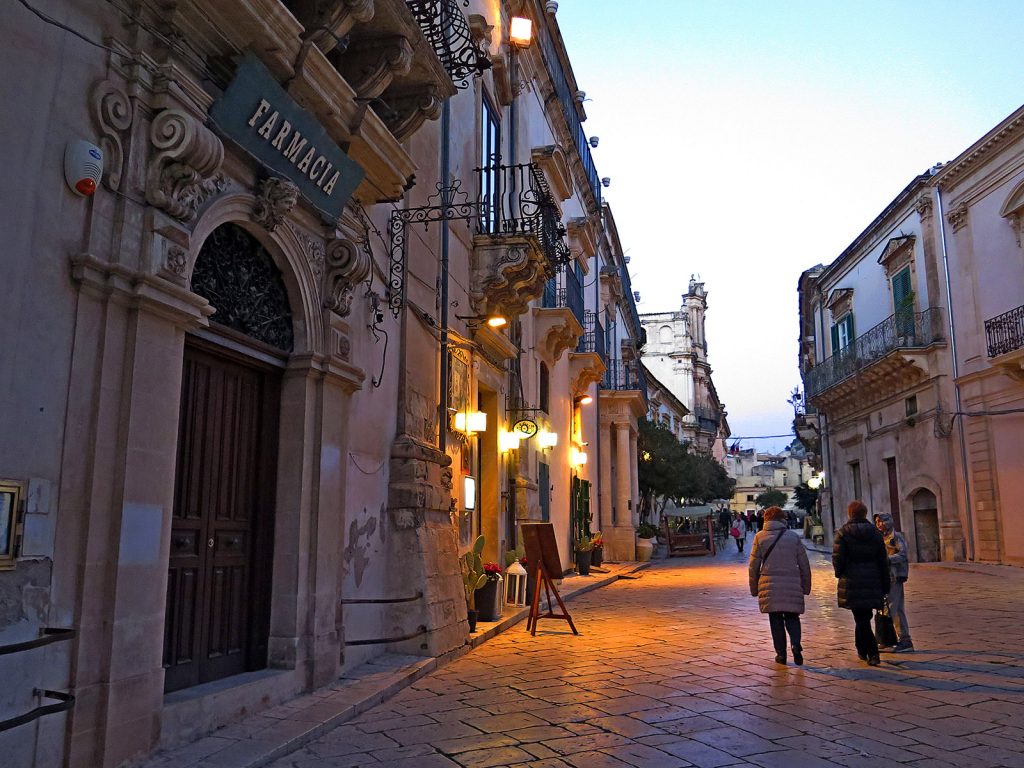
[(926, 525)]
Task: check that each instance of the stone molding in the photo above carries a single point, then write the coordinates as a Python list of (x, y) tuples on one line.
[(332, 25), (1013, 211), (555, 166), (275, 198), (897, 254), (586, 368), (370, 66), (923, 206), (411, 109), (183, 173), (583, 236)]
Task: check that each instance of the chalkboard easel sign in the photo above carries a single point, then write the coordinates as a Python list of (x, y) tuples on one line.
[(543, 561)]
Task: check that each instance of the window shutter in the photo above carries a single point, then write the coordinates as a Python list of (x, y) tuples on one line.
[(901, 294), (835, 338), (849, 328)]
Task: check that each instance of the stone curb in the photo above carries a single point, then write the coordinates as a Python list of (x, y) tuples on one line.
[(364, 688)]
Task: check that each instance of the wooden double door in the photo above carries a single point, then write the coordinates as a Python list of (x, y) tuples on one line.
[(221, 545)]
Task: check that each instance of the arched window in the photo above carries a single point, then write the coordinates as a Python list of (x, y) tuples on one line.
[(544, 388), (665, 334), (239, 278)]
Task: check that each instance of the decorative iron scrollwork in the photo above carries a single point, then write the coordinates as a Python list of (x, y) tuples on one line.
[(239, 278), (445, 27)]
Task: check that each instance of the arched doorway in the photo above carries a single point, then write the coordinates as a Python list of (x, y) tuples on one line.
[(221, 545), (926, 525)]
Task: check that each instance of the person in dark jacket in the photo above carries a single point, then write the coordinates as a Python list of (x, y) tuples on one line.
[(861, 564)]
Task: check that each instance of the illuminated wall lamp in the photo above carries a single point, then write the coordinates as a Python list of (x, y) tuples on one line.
[(508, 441), (520, 32), (547, 439), (585, 400), (474, 421), (579, 458), (469, 492)]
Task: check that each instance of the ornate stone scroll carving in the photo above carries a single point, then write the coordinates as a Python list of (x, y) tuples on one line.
[(347, 265), (329, 21), (274, 200), (410, 110), (510, 272), (112, 113), (923, 206), (183, 172), (370, 66), (958, 217)]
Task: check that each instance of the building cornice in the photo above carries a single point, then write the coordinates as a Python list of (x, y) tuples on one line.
[(1007, 131)]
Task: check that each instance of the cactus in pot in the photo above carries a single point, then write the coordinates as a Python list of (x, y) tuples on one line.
[(473, 576)]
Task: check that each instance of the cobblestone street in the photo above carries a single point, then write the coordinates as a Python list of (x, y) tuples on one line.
[(676, 668)]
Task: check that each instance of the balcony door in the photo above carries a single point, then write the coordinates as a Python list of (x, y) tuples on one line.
[(903, 304)]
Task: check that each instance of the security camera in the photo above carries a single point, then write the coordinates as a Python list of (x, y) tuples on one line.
[(594, 141), (83, 166)]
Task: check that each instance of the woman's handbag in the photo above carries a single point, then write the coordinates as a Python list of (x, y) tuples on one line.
[(735, 532), (885, 630)]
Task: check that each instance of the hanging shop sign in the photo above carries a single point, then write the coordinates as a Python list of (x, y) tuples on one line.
[(257, 113), (525, 428)]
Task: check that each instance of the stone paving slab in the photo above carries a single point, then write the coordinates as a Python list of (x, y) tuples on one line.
[(677, 669), (286, 728)]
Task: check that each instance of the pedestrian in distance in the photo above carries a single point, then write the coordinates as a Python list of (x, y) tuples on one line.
[(760, 520), (899, 570), (737, 531), (780, 576), (862, 567), (750, 520)]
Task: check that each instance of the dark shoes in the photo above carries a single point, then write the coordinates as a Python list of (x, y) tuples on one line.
[(874, 661), (862, 656), (798, 655), (903, 646), (780, 658)]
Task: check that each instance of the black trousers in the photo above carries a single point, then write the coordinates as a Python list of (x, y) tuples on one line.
[(739, 543), (864, 633), (781, 623)]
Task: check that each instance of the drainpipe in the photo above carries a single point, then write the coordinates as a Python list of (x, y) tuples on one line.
[(446, 127), (956, 372), (823, 419)]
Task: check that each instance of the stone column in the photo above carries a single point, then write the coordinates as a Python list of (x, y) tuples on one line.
[(625, 540), (634, 482), (605, 470)]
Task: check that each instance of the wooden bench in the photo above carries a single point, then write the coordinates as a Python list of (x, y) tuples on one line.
[(685, 544)]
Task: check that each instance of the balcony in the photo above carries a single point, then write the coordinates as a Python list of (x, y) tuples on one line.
[(560, 316), (890, 357), (708, 419), (625, 376), (593, 339), (520, 241), (1005, 337)]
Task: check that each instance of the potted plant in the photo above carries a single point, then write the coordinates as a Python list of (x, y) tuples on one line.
[(584, 548), (473, 577), (488, 596), (597, 554), (646, 537)]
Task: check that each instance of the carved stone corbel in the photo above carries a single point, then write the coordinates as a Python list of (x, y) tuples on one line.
[(112, 113), (347, 266), (329, 21), (958, 217), (274, 200), (410, 110), (183, 173), (370, 66), (923, 206), (510, 271)]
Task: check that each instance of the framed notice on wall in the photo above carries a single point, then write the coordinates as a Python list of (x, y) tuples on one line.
[(10, 504)]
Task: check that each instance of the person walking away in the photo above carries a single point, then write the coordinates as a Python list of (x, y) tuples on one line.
[(899, 570), (760, 520), (862, 567), (780, 576), (737, 532), (750, 520)]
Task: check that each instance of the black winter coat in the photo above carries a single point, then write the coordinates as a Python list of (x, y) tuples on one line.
[(861, 565)]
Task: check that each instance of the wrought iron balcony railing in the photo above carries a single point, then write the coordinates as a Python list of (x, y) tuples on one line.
[(1005, 333), (903, 330), (445, 27), (707, 417), (565, 290), (593, 339), (515, 200), (622, 375), (637, 331), (567, 98)]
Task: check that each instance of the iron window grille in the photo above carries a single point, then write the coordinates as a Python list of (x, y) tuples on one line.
[(1005, 333)]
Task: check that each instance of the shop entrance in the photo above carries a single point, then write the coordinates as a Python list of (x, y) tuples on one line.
[(221, 544)]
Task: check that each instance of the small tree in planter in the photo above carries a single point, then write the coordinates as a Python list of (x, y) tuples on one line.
[(473, 577)]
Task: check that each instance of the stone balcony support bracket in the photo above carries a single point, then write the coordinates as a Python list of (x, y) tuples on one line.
[(509, 271)]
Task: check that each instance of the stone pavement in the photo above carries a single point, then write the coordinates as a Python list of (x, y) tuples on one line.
[(676, 669)]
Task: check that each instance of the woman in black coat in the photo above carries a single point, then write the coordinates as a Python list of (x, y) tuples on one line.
[(862, 567)]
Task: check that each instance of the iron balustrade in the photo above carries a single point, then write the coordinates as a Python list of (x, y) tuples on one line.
[(565, 290), (707, 418), (593, 339), (567, 98), (550, 299), (903, 330), (445, 27), (516, 200), (623, 375), (1005, 333)]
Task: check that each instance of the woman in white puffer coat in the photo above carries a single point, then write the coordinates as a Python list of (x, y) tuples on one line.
[(780, 576)]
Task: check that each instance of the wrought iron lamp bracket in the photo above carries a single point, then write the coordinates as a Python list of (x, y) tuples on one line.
[(446, 204)]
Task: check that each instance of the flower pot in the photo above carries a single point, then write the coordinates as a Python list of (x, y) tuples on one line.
[(644, 549), (488, 600), (583, 562), (471, 615), (597, 556)]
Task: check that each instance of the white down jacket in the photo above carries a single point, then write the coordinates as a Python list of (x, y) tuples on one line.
[(780, 583)]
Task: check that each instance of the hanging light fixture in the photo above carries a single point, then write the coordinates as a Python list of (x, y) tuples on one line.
[(520, 32)]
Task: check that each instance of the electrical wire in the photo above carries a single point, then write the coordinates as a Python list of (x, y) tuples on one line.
[(352, 458)]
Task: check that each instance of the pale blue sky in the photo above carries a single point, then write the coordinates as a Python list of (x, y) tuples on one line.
[(748, 141)]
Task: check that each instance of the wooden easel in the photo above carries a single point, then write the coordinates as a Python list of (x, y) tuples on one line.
[(542, 555)]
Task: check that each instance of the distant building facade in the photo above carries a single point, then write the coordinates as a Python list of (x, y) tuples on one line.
[(756, 472)]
